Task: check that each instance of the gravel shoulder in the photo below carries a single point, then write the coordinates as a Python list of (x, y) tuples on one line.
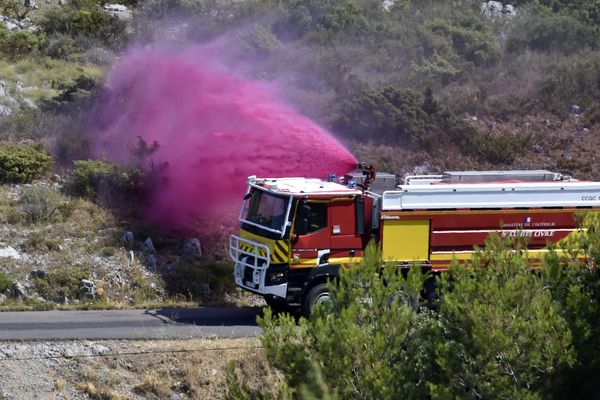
[(110, 369)]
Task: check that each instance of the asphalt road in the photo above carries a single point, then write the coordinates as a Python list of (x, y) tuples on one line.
[(168, 323)]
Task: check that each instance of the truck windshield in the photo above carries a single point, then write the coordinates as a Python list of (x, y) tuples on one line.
[(266, 210)]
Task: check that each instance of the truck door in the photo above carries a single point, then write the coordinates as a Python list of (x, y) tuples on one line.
[(310, 238), (346, 242)]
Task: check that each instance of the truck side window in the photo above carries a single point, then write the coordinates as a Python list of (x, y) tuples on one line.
[(312, 218)]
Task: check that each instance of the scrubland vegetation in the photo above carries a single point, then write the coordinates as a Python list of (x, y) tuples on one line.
[(412, 86)]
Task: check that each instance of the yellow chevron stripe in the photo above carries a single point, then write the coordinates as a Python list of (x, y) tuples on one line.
[(281, 257)]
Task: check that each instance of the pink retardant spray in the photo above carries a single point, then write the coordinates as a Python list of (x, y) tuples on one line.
[(214, 129)]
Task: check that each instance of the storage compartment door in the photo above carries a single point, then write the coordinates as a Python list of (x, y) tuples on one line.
[(405, 240)]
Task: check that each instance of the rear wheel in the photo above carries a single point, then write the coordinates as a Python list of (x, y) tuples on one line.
[(316, 295)]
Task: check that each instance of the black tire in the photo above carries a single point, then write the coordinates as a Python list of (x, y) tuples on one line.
[(315, 295), (277, 305)]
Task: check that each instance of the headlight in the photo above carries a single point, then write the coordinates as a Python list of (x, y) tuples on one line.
[(276, 278)]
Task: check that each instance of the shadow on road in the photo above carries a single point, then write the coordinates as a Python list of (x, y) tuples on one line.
[(208, 316)]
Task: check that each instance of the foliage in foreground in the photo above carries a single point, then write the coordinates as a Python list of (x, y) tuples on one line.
[(499, 330)]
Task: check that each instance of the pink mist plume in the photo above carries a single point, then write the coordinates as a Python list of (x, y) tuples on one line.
[(214, 130)]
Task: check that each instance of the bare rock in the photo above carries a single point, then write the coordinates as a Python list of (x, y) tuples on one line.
[(30, 4), (118, 10), (9, 252), (388, 4), (87, 289), (205, 289), (151, 262), (536, 148), (37, 273), (497, 10), (2, 298), (98, 349), (62, 298), (191, 248), (149, 246), (127, 237), (5, 111), (19, 290), (27, 102)]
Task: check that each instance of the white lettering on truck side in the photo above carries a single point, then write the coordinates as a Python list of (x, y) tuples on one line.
[(529, 233)]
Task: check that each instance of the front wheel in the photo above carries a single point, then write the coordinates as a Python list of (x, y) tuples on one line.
[(316, 295), (276, 304)]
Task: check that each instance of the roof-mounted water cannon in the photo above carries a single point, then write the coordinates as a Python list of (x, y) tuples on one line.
[(369, 173)]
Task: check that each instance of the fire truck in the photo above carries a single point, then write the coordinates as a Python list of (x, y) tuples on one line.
[(296, 233)]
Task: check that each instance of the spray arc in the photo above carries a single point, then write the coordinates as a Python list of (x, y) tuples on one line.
[(213, 128)]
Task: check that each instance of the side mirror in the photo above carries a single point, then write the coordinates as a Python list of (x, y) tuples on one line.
[(248, 195)]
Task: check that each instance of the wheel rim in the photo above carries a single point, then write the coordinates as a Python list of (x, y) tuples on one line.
[(321, 298)]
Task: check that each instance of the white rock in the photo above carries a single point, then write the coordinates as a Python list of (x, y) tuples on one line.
[(495, 9), (5, 111), (388, 4), (9, 252), (99, 349), (28, 103), (118, 10), (11, 26), (87, 289), (19, 290)]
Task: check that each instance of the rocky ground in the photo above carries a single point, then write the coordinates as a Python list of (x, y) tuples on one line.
[(57, 251), (186, 369)]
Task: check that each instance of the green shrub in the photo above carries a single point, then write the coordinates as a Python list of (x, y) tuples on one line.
[(14, 9), (552, 33), (5, 282), (91, 176), (41, 242), (496, 148), (19, 44), (22, 163), (60, 282), (73, 96), (497, 332), (368, 342), (82, 19), (264, 41), (503, 335), (390, 115), (575, 83), (42, 204), (189, 279)]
